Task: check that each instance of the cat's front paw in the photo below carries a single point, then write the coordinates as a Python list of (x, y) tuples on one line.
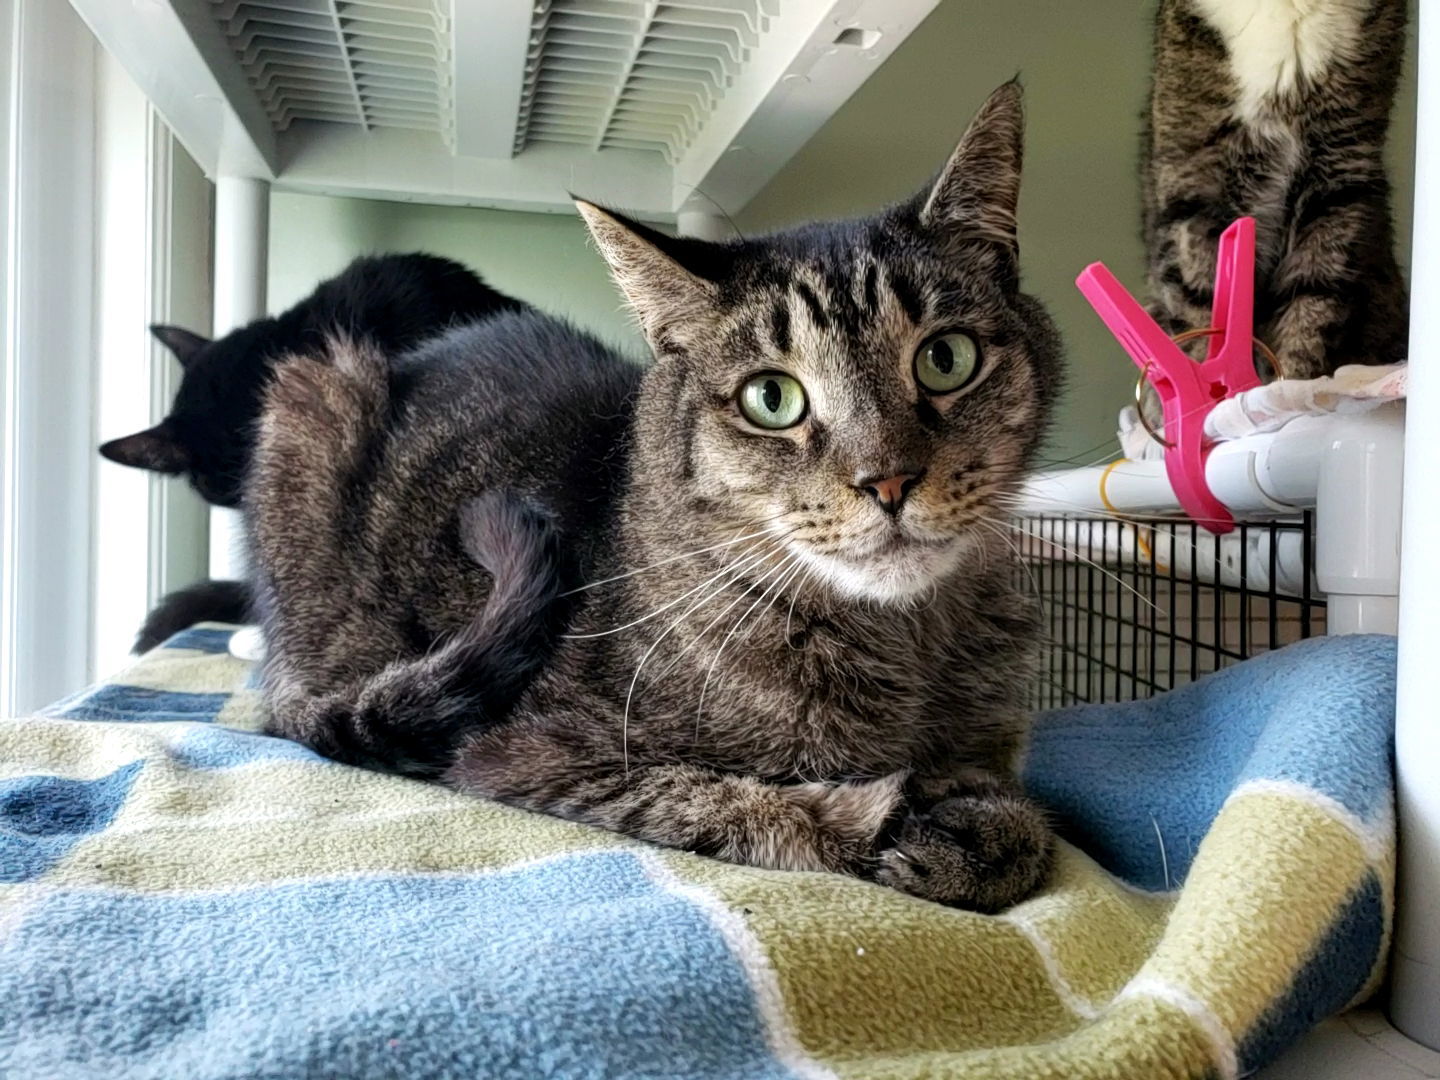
[(981, 851)]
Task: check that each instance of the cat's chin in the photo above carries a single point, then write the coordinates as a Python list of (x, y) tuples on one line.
[(897, 574)]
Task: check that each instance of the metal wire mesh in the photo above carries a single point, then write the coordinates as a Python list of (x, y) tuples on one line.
[(1136, 607)]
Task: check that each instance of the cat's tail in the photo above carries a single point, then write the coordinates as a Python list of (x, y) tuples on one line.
[(205, 601), (410, 716)]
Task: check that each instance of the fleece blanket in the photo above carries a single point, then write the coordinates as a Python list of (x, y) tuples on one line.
[(182, 897)]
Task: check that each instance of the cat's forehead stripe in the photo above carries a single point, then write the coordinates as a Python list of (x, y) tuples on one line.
[(780, 325), (812, 302), (906, 292), (868, 292), (843, 296)]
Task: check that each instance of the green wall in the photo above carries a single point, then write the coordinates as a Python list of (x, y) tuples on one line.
[(544, 258), (1085, 70)]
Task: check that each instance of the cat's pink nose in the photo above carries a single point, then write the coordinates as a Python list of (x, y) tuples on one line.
[(889, 491)]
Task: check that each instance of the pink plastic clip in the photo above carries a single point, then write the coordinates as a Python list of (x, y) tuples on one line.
[(1187, 390)]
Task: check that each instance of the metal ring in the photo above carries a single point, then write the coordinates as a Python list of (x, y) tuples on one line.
[(1140, 384), (1212, 331), (1180, 339)]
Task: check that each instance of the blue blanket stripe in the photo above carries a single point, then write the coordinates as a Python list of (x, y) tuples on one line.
[(43, 817), (577, 967), (1327, 981), (114, 703), (201, 640), (1287, 715), (225, 748)]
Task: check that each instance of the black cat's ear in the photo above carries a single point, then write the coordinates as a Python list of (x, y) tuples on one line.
[(978, 191), (154, 449), (181, 342), (667, 280)]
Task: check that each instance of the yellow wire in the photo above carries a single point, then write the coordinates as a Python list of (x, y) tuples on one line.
[(1140, 541)]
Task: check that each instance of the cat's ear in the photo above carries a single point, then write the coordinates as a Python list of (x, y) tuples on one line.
[(154, 448), (179, 341), (663, 277), (978, 191)]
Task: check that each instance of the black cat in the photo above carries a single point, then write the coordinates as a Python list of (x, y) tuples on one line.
[(395, 301)]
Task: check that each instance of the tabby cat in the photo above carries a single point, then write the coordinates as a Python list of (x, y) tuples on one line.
[(1278, 109), (799, 643)]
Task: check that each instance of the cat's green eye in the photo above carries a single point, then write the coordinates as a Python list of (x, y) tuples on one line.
[(947, 362), (773, 401)]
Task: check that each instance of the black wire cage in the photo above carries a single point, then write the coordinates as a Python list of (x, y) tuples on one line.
[(1137, 606)]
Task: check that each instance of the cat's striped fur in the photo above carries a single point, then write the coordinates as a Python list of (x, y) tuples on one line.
[(1278, 109), (767, 663)]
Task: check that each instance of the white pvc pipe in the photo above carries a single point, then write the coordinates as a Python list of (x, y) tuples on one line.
[(1232, 560), (1260, 475), (1357, 523), (1415, 962), (242, 240)]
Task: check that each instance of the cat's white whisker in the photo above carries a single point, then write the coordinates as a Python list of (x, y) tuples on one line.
[(710, 671), (670, 604), (709, 626), (995, 530), (1089, 562), (1170, 532), (777, 530), (1164, 856), (786, 573), (795, 595), (630, 694), (781, 586)]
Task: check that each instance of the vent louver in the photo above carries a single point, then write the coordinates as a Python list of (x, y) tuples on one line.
[(377, 63), (633, 74)]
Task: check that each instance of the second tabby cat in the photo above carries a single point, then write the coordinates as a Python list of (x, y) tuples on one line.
[(1278, 110)]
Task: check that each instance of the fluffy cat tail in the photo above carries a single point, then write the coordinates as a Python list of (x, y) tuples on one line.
[(410, 717), (205, 601)]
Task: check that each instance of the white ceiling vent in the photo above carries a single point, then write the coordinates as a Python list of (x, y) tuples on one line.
[(661, 107), (376, 63), (634, 74)]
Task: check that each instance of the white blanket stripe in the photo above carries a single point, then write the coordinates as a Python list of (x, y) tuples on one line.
[(1069, 997)]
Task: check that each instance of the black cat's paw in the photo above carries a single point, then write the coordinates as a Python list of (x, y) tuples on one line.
[(983, 851)]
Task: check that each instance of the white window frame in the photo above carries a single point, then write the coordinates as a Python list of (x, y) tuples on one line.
[(152, 265), (182, 288), (47, 457), (54, 319)]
